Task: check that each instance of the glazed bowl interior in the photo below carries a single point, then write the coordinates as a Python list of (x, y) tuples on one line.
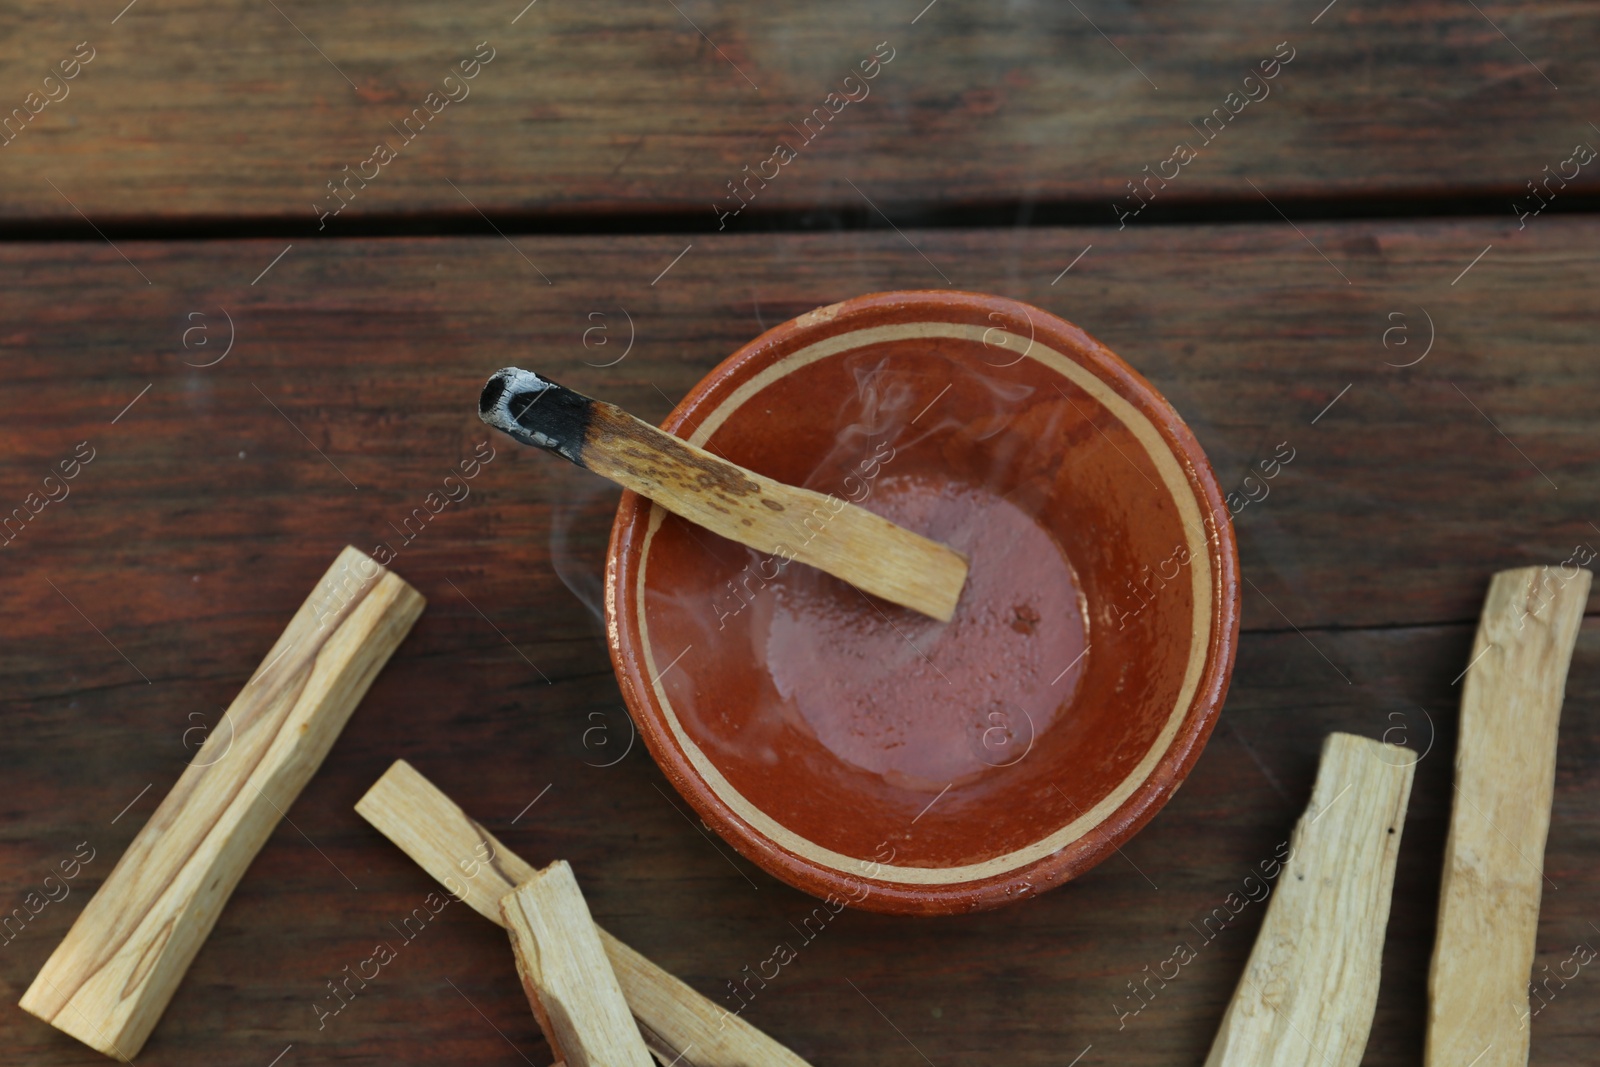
[(855, 748)]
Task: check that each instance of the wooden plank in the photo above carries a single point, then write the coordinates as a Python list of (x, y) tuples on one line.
[(240, 109), (679, 1025), (1044, 980), (1377, 541), (566, 975), (342, 335), (108, 982), (1478, 1002), (1308, 993)]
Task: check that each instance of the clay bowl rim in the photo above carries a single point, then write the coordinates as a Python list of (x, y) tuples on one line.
[(629, 538)]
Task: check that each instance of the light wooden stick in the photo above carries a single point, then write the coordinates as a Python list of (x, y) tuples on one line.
[(566, 975), (678, 1024), (1308, 993), (847, 541), (107, 983), (1494, 857)]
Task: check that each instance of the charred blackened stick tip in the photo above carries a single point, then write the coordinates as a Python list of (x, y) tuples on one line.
[(535, 411), (507, 394)]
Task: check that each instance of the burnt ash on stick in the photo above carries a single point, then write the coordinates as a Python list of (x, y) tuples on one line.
[(537, 411)]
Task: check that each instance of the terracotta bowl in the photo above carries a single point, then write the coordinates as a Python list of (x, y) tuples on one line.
[(867, 754)]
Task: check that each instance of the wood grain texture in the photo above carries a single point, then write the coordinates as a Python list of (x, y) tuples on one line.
[(565, 973), (343, 336), (1377, 542), (110, 979), (239, 109), (1494, 871), (1308, 993), (1031, 980), (679, 1025), (444, 840)]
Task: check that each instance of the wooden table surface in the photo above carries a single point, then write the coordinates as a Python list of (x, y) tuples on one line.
[(160, 213)]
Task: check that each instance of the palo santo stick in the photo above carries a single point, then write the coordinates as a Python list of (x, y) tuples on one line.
[(1308, 993), (107, 983), (566, 975), (443, 840), (848, 542), (678, 1024), (1494, 857)]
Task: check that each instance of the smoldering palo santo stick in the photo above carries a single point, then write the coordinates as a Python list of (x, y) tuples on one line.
[(849, 542)]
